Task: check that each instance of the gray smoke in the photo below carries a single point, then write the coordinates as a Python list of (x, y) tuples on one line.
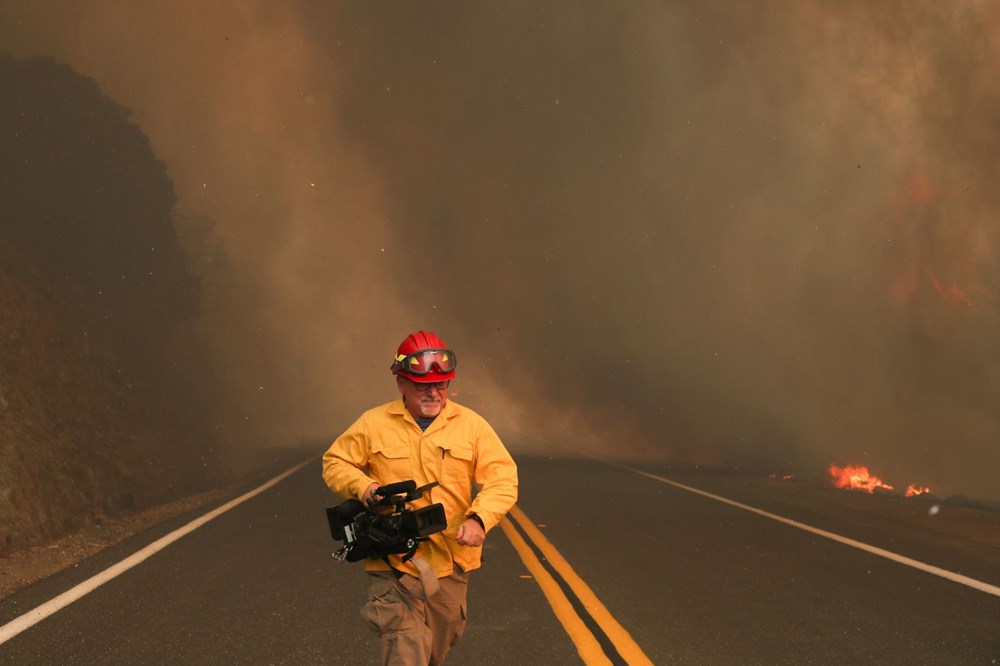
[(755, 235)]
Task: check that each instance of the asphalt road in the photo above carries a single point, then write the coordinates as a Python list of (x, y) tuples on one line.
[(690, 579)]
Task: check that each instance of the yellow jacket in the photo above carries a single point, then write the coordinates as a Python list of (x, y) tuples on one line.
[(385, 445)]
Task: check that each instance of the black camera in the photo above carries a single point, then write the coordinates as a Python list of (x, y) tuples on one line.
[(386, 527)]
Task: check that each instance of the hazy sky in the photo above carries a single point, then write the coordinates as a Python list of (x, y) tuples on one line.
[(757, 234)]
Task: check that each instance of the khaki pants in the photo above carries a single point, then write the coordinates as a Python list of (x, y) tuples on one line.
[(415, 631)]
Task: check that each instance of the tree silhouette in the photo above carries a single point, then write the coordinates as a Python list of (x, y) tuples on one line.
[(102, 379), (84, 199)]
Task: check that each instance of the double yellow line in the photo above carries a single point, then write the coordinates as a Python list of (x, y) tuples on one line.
[(587, 644)]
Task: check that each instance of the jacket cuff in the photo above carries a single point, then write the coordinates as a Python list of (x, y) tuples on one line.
[(359, 491)]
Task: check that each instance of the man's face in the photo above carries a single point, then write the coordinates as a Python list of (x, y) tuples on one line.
[(424, 404)]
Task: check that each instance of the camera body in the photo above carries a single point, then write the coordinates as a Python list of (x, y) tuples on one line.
[(386, 527)]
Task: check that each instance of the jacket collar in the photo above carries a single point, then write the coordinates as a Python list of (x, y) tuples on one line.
[(450, 410)]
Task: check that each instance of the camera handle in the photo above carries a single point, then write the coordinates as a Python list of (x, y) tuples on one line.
[(398, 494)]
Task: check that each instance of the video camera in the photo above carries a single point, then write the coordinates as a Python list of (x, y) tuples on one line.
[(386, 527)]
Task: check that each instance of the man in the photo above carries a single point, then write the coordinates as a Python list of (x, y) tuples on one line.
[(419, 606)]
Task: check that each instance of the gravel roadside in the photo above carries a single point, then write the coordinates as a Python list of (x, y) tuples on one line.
[(25, 567)]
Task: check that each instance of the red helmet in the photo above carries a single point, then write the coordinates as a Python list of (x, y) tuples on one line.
[(424, 357)]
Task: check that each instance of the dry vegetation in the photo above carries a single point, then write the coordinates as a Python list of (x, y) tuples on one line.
[(77, 447), (102, 379)]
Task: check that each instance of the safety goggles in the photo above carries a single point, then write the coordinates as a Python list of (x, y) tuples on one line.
[(426, 360)]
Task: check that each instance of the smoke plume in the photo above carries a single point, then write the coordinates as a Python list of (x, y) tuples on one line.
[(761, 236)]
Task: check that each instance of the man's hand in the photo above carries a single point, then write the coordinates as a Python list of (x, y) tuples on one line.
[(470, 533), (368, 498)]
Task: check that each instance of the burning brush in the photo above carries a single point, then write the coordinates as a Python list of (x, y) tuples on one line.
[(857, 477)]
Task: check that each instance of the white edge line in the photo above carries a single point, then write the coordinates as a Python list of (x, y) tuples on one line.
[(39, 613), (881, 552)]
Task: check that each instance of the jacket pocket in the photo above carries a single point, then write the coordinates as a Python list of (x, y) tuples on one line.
[(457, 463), (390, 464)]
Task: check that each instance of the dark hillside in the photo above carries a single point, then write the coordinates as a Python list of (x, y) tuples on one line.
[(85, 200), (100, 409)]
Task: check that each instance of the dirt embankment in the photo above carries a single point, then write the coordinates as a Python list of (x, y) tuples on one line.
[(76, 442), (103, 379), (85, 460)]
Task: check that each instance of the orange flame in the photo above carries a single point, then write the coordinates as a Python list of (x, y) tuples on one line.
[(946, 268), (913, 490), (856, 478), (920, 188), (952, 293)]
